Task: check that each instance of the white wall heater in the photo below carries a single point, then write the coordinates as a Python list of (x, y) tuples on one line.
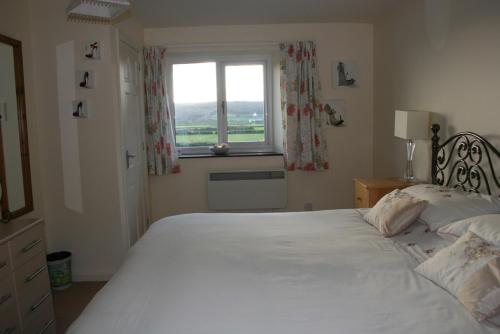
[(247, 189)]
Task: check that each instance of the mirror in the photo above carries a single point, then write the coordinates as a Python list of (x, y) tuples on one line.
[(15, 178)]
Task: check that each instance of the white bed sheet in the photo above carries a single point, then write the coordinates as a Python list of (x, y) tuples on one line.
[(417, 240), (420, 242), (309, 272)]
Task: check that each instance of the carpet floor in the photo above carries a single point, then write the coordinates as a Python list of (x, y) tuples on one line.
[(68, 304)]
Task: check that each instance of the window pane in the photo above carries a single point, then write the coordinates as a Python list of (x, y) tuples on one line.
[(195, 100), (245, 103)]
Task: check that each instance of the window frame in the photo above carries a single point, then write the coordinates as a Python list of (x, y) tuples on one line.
[(221, 61)]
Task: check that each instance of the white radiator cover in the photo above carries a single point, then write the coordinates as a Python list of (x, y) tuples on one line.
[(247, 189)]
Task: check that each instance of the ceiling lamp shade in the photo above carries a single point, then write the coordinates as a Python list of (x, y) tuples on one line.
[(103, 11)]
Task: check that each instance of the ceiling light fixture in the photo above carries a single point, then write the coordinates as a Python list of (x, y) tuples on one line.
[(97, 11)]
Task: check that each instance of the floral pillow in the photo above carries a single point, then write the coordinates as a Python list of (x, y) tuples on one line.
[(447, 205), (480, 293), (394, 212), (455, 267)]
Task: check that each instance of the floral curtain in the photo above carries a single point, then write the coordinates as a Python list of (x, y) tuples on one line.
[(303, 116), (160, 139)]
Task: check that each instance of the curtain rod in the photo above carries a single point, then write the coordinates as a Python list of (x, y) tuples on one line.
[(228, 44)]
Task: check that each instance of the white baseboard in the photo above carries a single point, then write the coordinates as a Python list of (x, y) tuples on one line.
[(92, 278)]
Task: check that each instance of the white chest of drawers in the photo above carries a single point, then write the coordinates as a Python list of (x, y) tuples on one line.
[(25, 296)]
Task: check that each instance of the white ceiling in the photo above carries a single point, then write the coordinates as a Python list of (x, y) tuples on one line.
[(171, 13)]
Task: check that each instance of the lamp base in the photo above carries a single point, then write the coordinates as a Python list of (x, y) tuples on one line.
[(410, 151), (408, 179)]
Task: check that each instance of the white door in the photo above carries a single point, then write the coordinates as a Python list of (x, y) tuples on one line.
[(132, 128)]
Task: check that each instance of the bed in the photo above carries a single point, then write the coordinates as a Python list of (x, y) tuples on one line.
[(304, 272)]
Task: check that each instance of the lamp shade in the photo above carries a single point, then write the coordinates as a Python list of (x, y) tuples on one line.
[(411, 124)]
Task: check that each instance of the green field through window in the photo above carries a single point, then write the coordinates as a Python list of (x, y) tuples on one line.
[(196, 124)]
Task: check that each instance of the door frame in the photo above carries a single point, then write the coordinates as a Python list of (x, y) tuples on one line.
[(121, 37)]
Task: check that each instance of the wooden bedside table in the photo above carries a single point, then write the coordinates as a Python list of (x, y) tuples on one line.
[(367, 191)]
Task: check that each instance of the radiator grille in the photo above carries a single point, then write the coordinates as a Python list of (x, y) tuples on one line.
[(240, 176), (247, 190)]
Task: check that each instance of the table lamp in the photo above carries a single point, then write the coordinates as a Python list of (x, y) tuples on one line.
[(411, 125)]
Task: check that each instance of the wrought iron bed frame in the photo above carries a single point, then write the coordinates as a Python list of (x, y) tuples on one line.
[(458, 162)]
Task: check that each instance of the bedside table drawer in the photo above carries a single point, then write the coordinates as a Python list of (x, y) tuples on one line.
[(26, 245), (361, 196), (368, 191)]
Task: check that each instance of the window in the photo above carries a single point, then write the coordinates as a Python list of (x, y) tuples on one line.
[(221, 99)]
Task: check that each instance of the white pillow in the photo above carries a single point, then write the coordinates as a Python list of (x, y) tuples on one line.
[(394, 212), (455, 230), (452, 267), (488, 229), (447, 205)]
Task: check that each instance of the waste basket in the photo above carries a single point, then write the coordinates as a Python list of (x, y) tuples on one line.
[(59, 264)]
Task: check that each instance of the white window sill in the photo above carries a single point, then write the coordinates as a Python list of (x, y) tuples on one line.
[(230, 155)]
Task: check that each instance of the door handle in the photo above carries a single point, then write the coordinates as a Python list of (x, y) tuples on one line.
[(31, 245), (129, 156), (40, 302), (35, 274), (46, 326), (5, 298)]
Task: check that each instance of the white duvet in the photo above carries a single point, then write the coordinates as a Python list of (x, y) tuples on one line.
[(281, 273)]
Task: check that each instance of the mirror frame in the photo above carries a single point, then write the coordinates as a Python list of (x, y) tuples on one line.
[(23, 138)]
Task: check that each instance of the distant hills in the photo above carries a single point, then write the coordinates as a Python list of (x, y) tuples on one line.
[(240, 112)]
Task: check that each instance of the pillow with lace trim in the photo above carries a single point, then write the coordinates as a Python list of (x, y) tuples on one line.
[(394, 212)]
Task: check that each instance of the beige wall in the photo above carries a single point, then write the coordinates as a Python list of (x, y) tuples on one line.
[(350, 147), (95, 236), (437, 55)]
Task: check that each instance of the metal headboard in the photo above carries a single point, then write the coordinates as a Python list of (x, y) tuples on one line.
[(467, 161)]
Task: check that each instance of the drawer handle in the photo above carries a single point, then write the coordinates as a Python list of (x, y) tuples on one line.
[(359, 198), (46, 326), (35, 274), (5, 298), (3, 264), (40, 302), (31, 245), (9, 330)]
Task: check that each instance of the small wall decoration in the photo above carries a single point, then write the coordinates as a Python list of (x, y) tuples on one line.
[(334, 110), (345, 73), (85, 79), (80, 109), (92, 50)]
